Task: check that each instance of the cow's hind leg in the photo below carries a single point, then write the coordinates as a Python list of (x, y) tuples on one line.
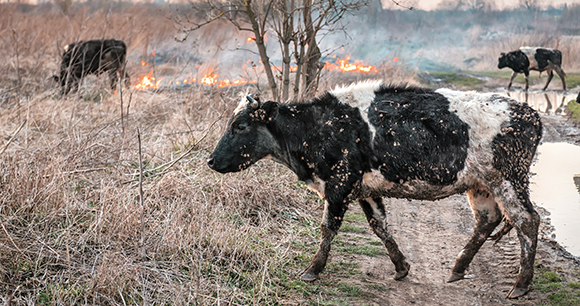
[(562, 76), (550, 76), (516, 205), (375, 213), (331, 221), (487, 217)]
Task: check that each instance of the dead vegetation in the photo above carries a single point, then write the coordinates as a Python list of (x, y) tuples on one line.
[(72, 227), (70, 208)]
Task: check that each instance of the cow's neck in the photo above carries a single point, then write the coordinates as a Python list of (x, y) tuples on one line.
[(303, 131), (293, 133)]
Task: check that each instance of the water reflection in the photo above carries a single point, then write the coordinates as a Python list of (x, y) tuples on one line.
[(556, 187), (545, 102)]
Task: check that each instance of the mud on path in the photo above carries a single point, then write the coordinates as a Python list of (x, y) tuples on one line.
[(431, 234)]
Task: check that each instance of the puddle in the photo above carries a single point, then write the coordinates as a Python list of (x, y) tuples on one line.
[(556, 187), (545, 102)]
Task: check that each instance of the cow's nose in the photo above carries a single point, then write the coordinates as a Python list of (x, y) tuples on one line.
[(210, 161)]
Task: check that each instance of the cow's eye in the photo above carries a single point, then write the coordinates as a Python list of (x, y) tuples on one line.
[(240, 128)]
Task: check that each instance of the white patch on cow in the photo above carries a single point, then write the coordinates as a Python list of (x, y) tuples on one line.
[(377, 214), (484, 203), (325, 215), (461, 253), (242, 105), (317, 185), (376, 181), (486, 114), (359, 95), (66, 48), (530, 52)]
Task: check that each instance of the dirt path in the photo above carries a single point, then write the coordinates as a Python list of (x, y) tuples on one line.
[(431, 234)]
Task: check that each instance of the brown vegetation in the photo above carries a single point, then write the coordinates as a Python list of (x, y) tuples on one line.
[(71, 223)]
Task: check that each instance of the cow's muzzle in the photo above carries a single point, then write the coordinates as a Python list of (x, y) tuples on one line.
[(211, 162)]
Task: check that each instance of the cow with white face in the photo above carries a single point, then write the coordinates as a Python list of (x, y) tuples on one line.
[(368, 140), (533, 58)]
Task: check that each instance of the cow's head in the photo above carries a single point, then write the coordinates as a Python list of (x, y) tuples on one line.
[(248, 137), (502, 61)]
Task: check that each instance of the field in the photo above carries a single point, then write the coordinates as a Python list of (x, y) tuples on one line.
[(106, 198)]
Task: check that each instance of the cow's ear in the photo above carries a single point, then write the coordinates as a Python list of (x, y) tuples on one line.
[(502, 54), (271, 109)]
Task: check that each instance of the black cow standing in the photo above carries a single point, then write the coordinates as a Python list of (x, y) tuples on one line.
[(92, 57), (368, 141), (533, 58)]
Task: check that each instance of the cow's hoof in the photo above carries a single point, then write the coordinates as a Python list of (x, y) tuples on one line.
[(516, 293), (401, 274), (455, 277), (308, 277)]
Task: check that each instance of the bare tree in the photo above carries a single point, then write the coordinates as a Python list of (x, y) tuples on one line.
[(283, 25), (530, 4), (294, 21)]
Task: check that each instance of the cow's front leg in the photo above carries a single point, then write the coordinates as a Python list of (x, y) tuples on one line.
[(514, 74), (331, 221), (527, 77), (113, 76), (375, 213), (487, 217)]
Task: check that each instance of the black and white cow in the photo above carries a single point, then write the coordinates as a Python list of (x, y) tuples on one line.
[(92, 57), (533, 58), (368, 140)]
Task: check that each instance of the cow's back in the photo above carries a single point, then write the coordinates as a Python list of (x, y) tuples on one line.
[(93, 56), (417, 136)]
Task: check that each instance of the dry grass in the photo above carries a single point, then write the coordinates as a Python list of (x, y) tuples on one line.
[(71, 217), (71, 220)]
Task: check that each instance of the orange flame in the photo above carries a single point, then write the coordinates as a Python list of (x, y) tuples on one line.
[(210, 78), (343, 65), (148, 82)]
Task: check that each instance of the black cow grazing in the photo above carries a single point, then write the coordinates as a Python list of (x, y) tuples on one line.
[(533, 58), (368, 141), (92, 57)]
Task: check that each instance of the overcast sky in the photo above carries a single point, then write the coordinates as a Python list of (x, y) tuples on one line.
[(501, 4)]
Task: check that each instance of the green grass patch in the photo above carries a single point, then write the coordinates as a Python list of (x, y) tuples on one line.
[(560, 293), (350, 228), (343, 267), (458, 79), (574, 108), (352, 290), (368, 250), (572, 80), (349, 216)]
